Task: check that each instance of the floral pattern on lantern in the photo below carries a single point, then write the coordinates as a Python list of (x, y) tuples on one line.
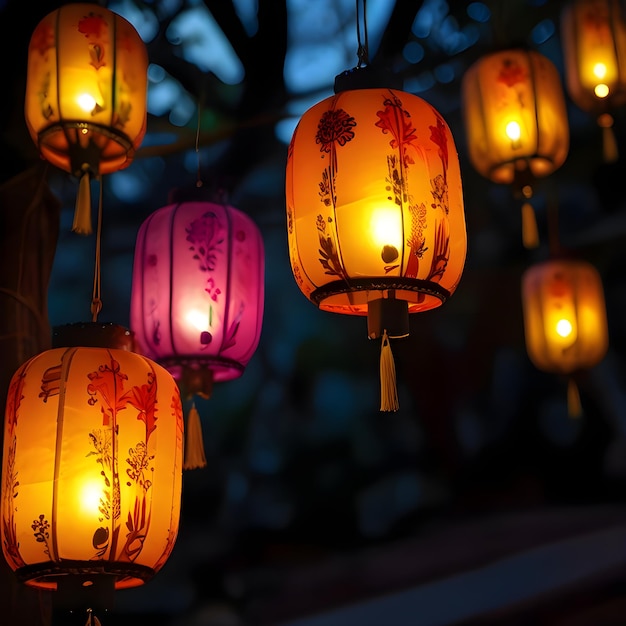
[(197, 292), (374, 203), (91, 474)]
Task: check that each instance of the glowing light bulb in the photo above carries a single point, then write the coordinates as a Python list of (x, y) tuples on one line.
[(599, 70), (386, 227), (564, 328), (90, 496), (513, 131), (197, 319), (601, 90), (86, 102)]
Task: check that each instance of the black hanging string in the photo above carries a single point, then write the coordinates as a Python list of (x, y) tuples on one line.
[(363, 49)]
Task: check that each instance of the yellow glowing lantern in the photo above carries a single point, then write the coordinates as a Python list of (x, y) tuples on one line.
[(376, 224), (91, 471), (593, 35), (565, 320), (516, 123), (85, 103)]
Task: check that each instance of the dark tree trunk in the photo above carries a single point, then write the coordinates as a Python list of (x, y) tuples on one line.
[(29, 227)]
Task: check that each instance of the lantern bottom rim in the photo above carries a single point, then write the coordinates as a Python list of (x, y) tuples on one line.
[(48, 574), (353, 295)]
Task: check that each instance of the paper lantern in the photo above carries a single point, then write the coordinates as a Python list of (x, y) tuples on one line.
[(564, 318), (515, 123), (376, 225), (91, 471), (593, 35), (86, 86), (198, 293)]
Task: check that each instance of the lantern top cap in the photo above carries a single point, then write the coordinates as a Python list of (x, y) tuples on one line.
[(367, 77), (93, 335)]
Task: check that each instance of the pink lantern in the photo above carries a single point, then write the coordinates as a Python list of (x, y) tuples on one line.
[(197, 293)]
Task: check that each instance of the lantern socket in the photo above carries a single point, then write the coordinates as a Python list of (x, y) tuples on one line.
[(387, 314)]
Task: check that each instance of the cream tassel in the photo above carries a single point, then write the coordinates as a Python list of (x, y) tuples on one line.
[(388, 390), (194, 444), (82, 211), (530, 234), (574, 407), (610, 152)]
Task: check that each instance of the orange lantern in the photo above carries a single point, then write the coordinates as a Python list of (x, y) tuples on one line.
[(376, 225), (86, 88), (564, 319), (91, 472), (516, 123), (593, 35)]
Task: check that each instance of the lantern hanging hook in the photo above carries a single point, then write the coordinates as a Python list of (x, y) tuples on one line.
[(363, 45)]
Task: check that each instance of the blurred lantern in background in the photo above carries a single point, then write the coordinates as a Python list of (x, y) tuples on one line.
[(91, 473), (197, 298), (516, 123), (375, 217), (86, 89), (593, 35), (564, 319)]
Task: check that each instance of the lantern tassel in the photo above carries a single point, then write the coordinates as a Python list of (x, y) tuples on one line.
[(82, 212), (194, 443), (530, 234), (388, 389), (574, 407), (92, 620), (610, 151)]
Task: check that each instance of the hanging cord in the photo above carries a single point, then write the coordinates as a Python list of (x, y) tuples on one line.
[(199, 182), (363, 46), (96, 302), (530, 233)]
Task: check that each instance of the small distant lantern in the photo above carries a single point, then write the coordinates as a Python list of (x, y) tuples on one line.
[(91, 473), (564, 319), (593, 35), (516, 123), (86, 87), (376, 225), (197, 298)]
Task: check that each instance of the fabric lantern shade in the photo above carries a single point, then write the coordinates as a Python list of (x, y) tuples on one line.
[(198, 293), (593, 35), (91, 471), (376, 225), (516, 122), (565, 320), (86, 86)]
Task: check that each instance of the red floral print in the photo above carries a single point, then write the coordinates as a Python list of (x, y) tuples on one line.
[(334, 127), (511, 73)]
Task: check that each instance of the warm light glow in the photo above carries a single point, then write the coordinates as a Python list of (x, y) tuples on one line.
[(90, 496), (513, 131), (197, 319), (386, 227), (599, 70), (601, 90), (86, 102), (564, 328)]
